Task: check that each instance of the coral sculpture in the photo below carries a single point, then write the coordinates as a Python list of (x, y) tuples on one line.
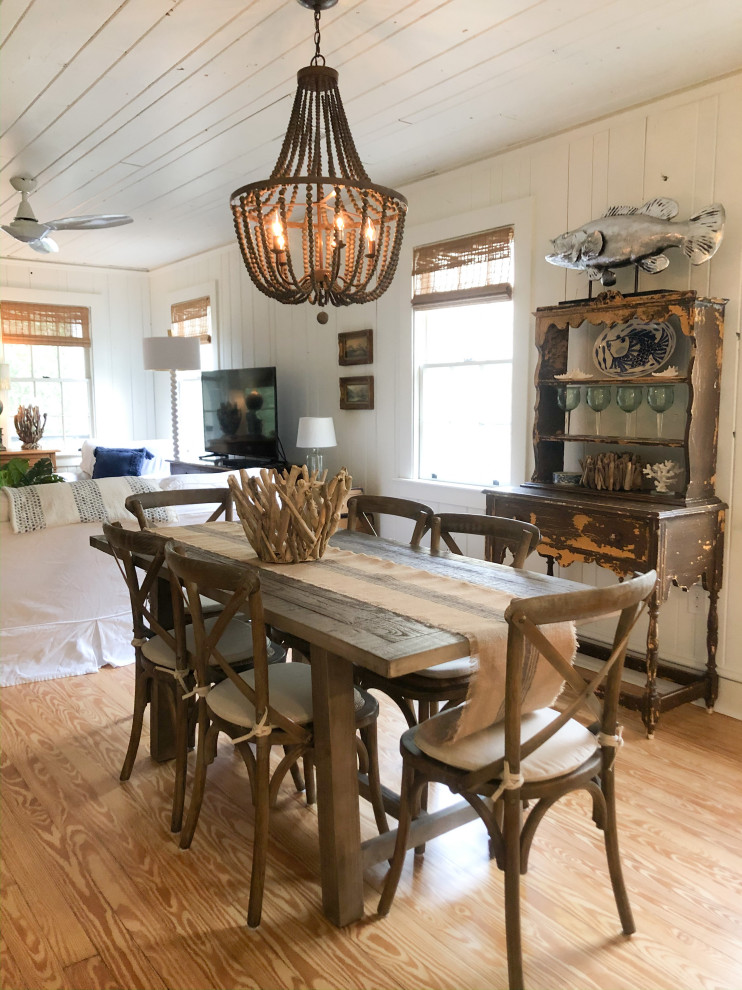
[(664, 473)]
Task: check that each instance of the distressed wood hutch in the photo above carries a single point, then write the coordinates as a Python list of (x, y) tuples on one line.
[(679, 534)]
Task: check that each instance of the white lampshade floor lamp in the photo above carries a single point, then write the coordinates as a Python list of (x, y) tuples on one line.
[(315, 433), (172, 354)]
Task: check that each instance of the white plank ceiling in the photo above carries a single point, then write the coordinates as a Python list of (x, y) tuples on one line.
[(161, 108)]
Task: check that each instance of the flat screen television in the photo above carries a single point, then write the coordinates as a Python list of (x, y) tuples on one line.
[(240, 413)]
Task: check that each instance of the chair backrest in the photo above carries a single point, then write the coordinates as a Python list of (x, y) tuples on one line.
[(193, 574), (140, 553), (501, 534), (366, 506), (526, 618), (139, 504)]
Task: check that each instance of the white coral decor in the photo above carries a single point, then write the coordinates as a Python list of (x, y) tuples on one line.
[(663, 474)]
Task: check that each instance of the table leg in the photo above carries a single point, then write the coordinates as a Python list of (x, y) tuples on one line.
[(162, 700), (337, 787)]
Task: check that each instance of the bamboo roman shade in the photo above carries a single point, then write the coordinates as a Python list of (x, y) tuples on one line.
[(478, 266), (39, 323), (191, 319)]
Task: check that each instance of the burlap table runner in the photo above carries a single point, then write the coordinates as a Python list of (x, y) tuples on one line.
[(441, 602)]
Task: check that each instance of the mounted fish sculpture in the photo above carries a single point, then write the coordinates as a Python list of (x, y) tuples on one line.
[(631, 235)]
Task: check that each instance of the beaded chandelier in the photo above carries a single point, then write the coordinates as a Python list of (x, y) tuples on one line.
[(319, 230)]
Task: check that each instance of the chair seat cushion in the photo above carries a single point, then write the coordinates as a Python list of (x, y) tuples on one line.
[(564, 752), (462, 667), (289, 692), (235, 644), (209, 605)]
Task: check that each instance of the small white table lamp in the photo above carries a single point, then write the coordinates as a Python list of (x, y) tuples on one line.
[(172, 354), (315, 432), (4, 387)]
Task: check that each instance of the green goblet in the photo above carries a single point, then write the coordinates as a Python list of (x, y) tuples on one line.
[(598, 398), (568, 398), (660, 398), (628, 398)]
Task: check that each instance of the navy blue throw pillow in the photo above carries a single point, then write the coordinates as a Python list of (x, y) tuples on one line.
[(118, 462)]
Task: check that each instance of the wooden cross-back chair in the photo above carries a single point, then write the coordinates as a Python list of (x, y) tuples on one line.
[(158, 668), (447, 683), (539, 756), (267, 706), (362, 510), (142, 502), (145, 506), (501, 534)]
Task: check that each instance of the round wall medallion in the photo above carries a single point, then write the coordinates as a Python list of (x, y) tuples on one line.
[(634, 348)]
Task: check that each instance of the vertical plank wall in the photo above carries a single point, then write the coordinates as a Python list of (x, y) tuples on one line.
[(687, 146)]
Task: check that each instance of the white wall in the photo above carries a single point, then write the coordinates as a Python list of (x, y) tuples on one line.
[(687, 146)]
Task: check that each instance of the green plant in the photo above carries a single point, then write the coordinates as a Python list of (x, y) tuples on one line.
[(17, 474)]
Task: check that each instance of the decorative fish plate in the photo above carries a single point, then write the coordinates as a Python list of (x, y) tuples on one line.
[(633, 348)]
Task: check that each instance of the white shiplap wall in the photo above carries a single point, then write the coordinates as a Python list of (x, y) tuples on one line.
[(688, 146)]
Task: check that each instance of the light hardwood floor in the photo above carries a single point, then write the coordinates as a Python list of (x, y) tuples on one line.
[(96, 893)]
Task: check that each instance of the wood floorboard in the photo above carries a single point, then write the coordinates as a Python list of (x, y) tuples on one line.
[(97, 895), (10, 975)]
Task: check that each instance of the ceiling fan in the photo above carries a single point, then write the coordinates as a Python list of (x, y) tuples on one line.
[(27, 228)]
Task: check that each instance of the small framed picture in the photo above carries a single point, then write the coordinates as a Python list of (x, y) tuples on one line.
[(356, 347), (357, 393)]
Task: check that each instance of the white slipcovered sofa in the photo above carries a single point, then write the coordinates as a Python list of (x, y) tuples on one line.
[(64, 607)]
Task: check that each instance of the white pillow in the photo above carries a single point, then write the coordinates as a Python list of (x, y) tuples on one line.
[(87, 459)]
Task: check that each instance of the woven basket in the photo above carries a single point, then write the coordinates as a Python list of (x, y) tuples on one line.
[(289, 516)]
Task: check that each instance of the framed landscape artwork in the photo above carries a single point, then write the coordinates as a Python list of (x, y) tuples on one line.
[(357, 393), (356, 347)]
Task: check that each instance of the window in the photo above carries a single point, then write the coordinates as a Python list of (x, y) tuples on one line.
[(48, 350), (193, 319), (463, 352)]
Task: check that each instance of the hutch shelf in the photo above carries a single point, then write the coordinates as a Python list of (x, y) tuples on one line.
[(678, 533)]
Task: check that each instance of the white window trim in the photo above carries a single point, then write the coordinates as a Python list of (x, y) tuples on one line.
[(396, 306), (62, 297)]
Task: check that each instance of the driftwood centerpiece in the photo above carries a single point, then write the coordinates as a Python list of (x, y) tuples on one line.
[(289, 516), (29, 426)]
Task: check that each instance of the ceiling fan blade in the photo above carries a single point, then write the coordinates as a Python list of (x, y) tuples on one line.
[(89, 222), (44, 245), (26, 229)]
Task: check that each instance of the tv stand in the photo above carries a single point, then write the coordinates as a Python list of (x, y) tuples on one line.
[(218, 463)]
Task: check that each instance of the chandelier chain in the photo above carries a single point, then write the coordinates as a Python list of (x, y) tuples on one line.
[(317, 53)]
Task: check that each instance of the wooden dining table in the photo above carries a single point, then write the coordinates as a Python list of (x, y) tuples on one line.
[(344, 631)]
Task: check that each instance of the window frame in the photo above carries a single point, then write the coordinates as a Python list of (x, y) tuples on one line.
[(62, 297), (519, 215), (66, 439)]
